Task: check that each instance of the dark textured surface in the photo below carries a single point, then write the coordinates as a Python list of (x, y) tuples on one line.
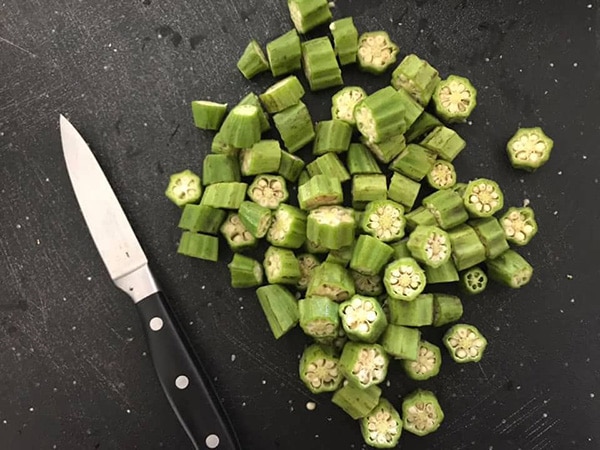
[(74, 373)]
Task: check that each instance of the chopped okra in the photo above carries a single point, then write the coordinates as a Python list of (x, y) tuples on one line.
[(245, 272), (414, 161), (460, 188), (446, 309), (224, 195), (454, 99), (418, 313), (421, 216), (404, 279), (369, 285), (412, 108), (303, 178), (446, 273), (491, 235), (363, 364), (320, 64), (422, 413), (236, 234), (467, 249), (341, 256), (308, 263), (220, 147), (281, 266), (241, 127), (529, 149), (332, 281), (424, 124), (268, 191), (288, 228), (382, 427), (198, 245), (386, 150), (357, 402), (401, 342), (403, 190), (201, 219), (519, 225), (331, 226), (380, 116), (370, 255), (285, 54), (282, 95), (474, 280), (319, 317), (308, 14), (445, 142), (401, 249), (262, 157), (332, 136), (384, 220), (263, 117), (465, 343), (256, 218), (442, 175), (313, 247), (510, 269), (319, 369), (483, 198), (430, 245), (417, 77), (344, 102), (361, 161), (447, 208), (253, 61), (208, 115), (369, 187), (295, 127), (330, 165), (184, 188), (376, 52), (280, 308), (363, 318), (345, 40), (320, 190), (220, 169), (427, 364), (290, 167)]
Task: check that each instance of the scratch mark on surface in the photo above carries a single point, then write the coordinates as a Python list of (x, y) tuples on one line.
[(33, 55), (111, 384)]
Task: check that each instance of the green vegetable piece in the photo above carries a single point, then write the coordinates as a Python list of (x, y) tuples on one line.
[(384, 220), (422, 413), (401, 249), (454, 99), (529, 149), (474, 281), (280, 308), (202, 219), (430, 245), (445, 142), (224, 195), (483, 198), (465, 343), (446, 273), (200, 246), (308, 14), (519, 225), (447, 208), (319, 317), (332, 136), (355, 401), (403, 190), (288, 229), (345, 40), (220, 169), (220, 147), (376, 52), (330, 165), (236, 234), (382, 427), (331, 226), (303, 178), (285, 54), (320, 64), (404, 279), (313, 247), (412, 109), (467, 249), (268, 191), (184, 188), (424, 124), (428, 362), (415, 162), (401, 342), (370, 255), (262, 157), (417, 77), (510, 269), (256, 218), (281, 266), (446, 309), (295, 127), (253, 61), (320, 190), (241, 128), (364, 365), (368, 188), (380, 116), (341, 256), (418, 313), (290, 166), (308, 263), (442, 175), (387, 150), (491, 235), (344, 101), (420, 216), (460, 188), (208, 115), (245, 272), (282, 95), (319, 369), (361, 161), (332, 281), (263, 117), (369, 285)]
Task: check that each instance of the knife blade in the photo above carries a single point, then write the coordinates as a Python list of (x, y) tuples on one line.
[(184, 380)]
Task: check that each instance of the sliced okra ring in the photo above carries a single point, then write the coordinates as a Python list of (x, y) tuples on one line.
[(417, 77), (403, 190), (280, 308), (331, 226), (320, 64), (245, 272), (369, 187), (332, 281), (220, 147), (430, 245), (295, 127), (303, 178), (290, 166), (422, 413), (320, 190), (341, 256), (418, 313), (345, 40), (288, 228), (384, 220), (386, 150), (220, 169), (281, 266), (365, 365), (483, 198), (344, 102), (263, 117), (268, 191), (313, 247), (224, 195), (201, 246), (447, 208), (370, 255), (401, 342), (519, 225), (401, 249), (427, 364), (208, 115), (361, 161), (184, 188), (376, 52), (445, 142), (332, 136), (474, 280), (412, 108), (285, 54), (404, 279), (465, 343), (355, 401), (382, 427), (414, 161), (329, 165), (319, 369), (256, 218), (424, 124), (420, 216), (446, 309), (319, 317), (446, 273), (202, 219), (491, 234), (308, 263), (236, 234), (282, 95), (454, 99), (241, 127), (308, 14), (442, 175), (510, 269), (363, 318), (262, 157), (253, 60), (369, 285), (467, 249), (380, 116), (529, 149)]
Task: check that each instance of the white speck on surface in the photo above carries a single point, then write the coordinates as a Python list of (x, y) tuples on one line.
[(544, 415), (388, 383), (526, 202), (486, 59), (37, 241), (203, 287), (518, 388), (316, 436), (559, 172), (191, 322), (233, 357), (569, 276), (74, 328), (470, 122), (562, 311), (74, 382), (18, 226), (241, 306), (128, 411), (264, 381), (31, 409), (311, 406), (89, 278), (592, 395), (497, 328), (584, 156), (589, 6), (572, 300), (240, 299), (4, 422), (243, 404), (575, 64), (555, 213)]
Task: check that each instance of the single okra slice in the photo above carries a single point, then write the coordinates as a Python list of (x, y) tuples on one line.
[(263, 117), (446, 273), (473, 281), (303, 178), (319, 369), (331, 226), (420, 216), (201, 246), (401, 249), (220, 169), (320, 64), (253, 60), (510, 269), (430, 246), (417, 77), (224, 195), (363, 318), (529, 149), (382, 427), (256, 218), (295, 127), (412, 108), (386, 150), (280, 308), (445, 142), (281, 266), (308, 263), (422, 413), (460, 188), (288, 228), (368, 188), (418, 313), (285, 54), (208, 115), (428, 362), (355, 401), (376, 52), (365, 365), (236, 234), (401, 342), (319, 317), (403, 190), (184, 188), (447, 208), (201, 218), (446, 309), (519, 225), (454, 99), (330, 165), (361, 161), (320, 190), (220, 147), (308, 14), (424, 124), (467, 249), (262, 157), (483, 198), (414, 161), (380, 116), (332, 136), (369, 285), (332, 281), (245, 272), (341, 256), (442, 175), (241, 127), (384, 219), (491, 235), (282, 95), (370, 255), (290, 166), (404, 279), (465, 343), (344, 101), (345, 40), (268, 191), (313, 247)]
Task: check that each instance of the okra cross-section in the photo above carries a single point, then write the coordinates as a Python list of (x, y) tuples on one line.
[(465, 343), (384, 220), (483, 198), (281, 266), (320, 64), (363, 318), (427, 364), (320, 190), (280, 308), (319, 369), (417, 77), (245, 272), (380, 115), (295, 126), (529, 149), (382, 427), (454, 99), (370, 255), (319, 317), (236, 234), (332, 281), (422, 413), (404, 279), (430, 245), (308, 263), (474, 280), (345, 40), (308, 14), (288, 229), (442, 175), (519, 225), (510, 269), (268, 191), (364, 364), (376, 52), (344, 102), (184, 188), (331, 226)]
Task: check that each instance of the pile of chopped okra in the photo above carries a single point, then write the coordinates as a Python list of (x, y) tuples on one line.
[(351, 268)]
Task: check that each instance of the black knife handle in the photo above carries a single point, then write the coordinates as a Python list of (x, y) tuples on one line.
[(184, 381)]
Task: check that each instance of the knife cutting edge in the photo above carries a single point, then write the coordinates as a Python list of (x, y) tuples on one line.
[(183, 379)]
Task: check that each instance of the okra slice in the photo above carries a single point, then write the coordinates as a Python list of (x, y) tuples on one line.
[(332, 281), (330, 165), (465, 343), (220, 147), (401, 249), (384, 220), (241, 127), (386, 150), (320, 190), (345, 40), (414, 161), (403, 190), (295, 127), (184, 188), (280, 308), (376, 52), (308, 14), (355, 401), (510, 269), (361, 161), (332, 136), (319, 318), (430, 245), (281, 266), (256, 218), (208, 115), (245, 272), (262, 157), (460, 188), (382, 427), (263, 117), (420, 216), (519, 225), (418, 313), (474, 280), (313, 247), (365, 365), (447, 208), (285, 54), (308, 263), (428, 362), (331, 226), (424, 124), (445, 142), (454, 99), (236, 234), (341, 256), (446, 309), (417, 77), (303, 178), (282, 95), (467, 249), (201, 246), (529, 149), (320, 64), (253, 60), (220, 169), (224, 195), (288, 228), (380, 116), (363, 319), (442, 175), (369, 187), (446, 273), (404, 279), (401, 342), (319, 369), (370, 255), (483, 198), (201, 218), (290, 166), (344, 101), (412, 108), (491, 235), (369, 285), (268, 191), (422, 413)]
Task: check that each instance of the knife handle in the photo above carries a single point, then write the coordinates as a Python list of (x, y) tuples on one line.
[(183, 379)]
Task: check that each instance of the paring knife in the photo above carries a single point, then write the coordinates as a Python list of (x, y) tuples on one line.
[(183, 379)]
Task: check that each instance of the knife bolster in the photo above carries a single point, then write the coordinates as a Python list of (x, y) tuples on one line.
[(138, 284)]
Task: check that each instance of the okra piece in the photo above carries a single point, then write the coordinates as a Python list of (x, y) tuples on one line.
[(382, 427), (428, 362), (404, 279), (412, 108), (256, 218), (220, 147), (262, 157), (281, 266), (253, 60), (332, 281), (483, 198), (224, 195), (263, 117), (474, 280), (401, 342), (288, 228), (467, 249), (290, 166), (220, 169), (303, 178), (363, 319), (446, 273), (369, 285), (208, 115), (280, 308), (446, 309), (331, 226), (344, 101), (422, 413), (268, 191), (282, 95), (319, 317), (313, 247), (345, 40), (308, 14), (295, 127), (319, 369), (184, 188), (355, 401), (445, 142), (200, 246), (236, 234), (401, 249), (418, 313), (460, 188), (241, 127), (510, 269), (376, 52), (245, 272), (454, 99), (417, 77), (285, 54), (380, 116), (368, 188), (332, 136), (365, 365), (403, 190), (420, 216), (447, 208), (308, 263), (320, 190), (341, 256), (361, 161), (330, 165), (201, 219), (442, 175), (384, 220), (465, 343), (320, 64), (414, 161), (491, 235), (424, 124), (370, 255), (386, 150), (430, 246), (529, 149), (519, 225)]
